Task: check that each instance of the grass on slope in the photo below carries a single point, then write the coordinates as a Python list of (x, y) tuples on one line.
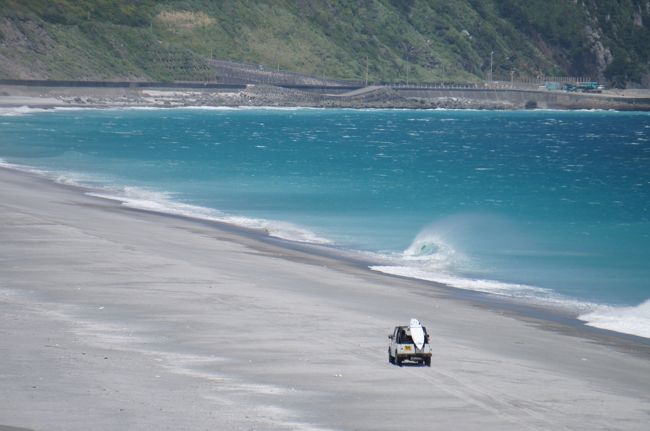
[(394, 40)]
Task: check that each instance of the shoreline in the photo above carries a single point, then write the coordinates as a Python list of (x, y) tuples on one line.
[(260, 239), (567, 312), (127, 319), (372, 97)]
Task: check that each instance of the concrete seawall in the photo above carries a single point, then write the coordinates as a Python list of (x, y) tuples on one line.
[(106, 93), (539, 99)]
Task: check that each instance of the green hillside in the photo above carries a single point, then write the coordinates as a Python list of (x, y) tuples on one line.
[(394, 40)]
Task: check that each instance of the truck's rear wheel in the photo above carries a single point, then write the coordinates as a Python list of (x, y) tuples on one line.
[(391, 359)]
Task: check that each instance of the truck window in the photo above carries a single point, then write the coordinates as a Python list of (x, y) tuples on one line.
[(404, 338)]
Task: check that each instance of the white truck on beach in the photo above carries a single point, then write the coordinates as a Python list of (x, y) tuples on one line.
[(409, 343)]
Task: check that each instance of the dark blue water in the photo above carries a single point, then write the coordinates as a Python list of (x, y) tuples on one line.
[(550, 205)]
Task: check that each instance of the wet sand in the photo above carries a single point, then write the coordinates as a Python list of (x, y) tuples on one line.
[(113, 318)]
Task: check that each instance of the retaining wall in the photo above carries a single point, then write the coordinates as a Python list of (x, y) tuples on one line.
[(542, 99)]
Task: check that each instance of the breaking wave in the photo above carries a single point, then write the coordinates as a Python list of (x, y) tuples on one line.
[(437, 252), (163, 202), (434, 252), (22, 168), (434, 255), (148, 200), (432, 258), (629, 320)]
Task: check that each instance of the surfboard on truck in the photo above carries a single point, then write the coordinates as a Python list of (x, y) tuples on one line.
[(417, 333)]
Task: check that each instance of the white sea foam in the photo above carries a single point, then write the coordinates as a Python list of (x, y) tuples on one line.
[(5, 164), (139, 198), (22, 168), (209, 108), (432, 252), (488, 286), (65, 178), (628, 320), (430, 257), (149, 200), (19, 111), (26, 110)]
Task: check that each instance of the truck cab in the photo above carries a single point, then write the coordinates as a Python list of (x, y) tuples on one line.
[(401, 347)]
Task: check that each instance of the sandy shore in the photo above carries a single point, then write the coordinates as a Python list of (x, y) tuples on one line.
[(113, 318)]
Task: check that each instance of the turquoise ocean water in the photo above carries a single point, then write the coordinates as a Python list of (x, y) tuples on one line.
[(547, 206)]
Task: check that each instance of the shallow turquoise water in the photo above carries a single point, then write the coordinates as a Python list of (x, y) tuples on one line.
[(554, 201)]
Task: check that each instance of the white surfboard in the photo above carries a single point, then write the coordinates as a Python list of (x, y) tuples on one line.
[(417, 333)]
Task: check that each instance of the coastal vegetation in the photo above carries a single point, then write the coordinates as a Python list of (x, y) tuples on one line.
[(383, 40)]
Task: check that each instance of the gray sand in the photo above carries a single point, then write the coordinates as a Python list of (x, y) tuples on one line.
[(112, 318)]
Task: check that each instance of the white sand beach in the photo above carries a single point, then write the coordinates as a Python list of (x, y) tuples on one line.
[(118, 319)]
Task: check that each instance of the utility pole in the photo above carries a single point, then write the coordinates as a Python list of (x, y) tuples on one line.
[(366, 70), (407, 68), (322, 67), (491, 56)]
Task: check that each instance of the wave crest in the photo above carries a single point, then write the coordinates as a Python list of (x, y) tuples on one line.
[(433, 252), (431, 257)]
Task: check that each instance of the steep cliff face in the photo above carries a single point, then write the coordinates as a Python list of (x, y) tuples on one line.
[(602, 38), (389, 40)]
